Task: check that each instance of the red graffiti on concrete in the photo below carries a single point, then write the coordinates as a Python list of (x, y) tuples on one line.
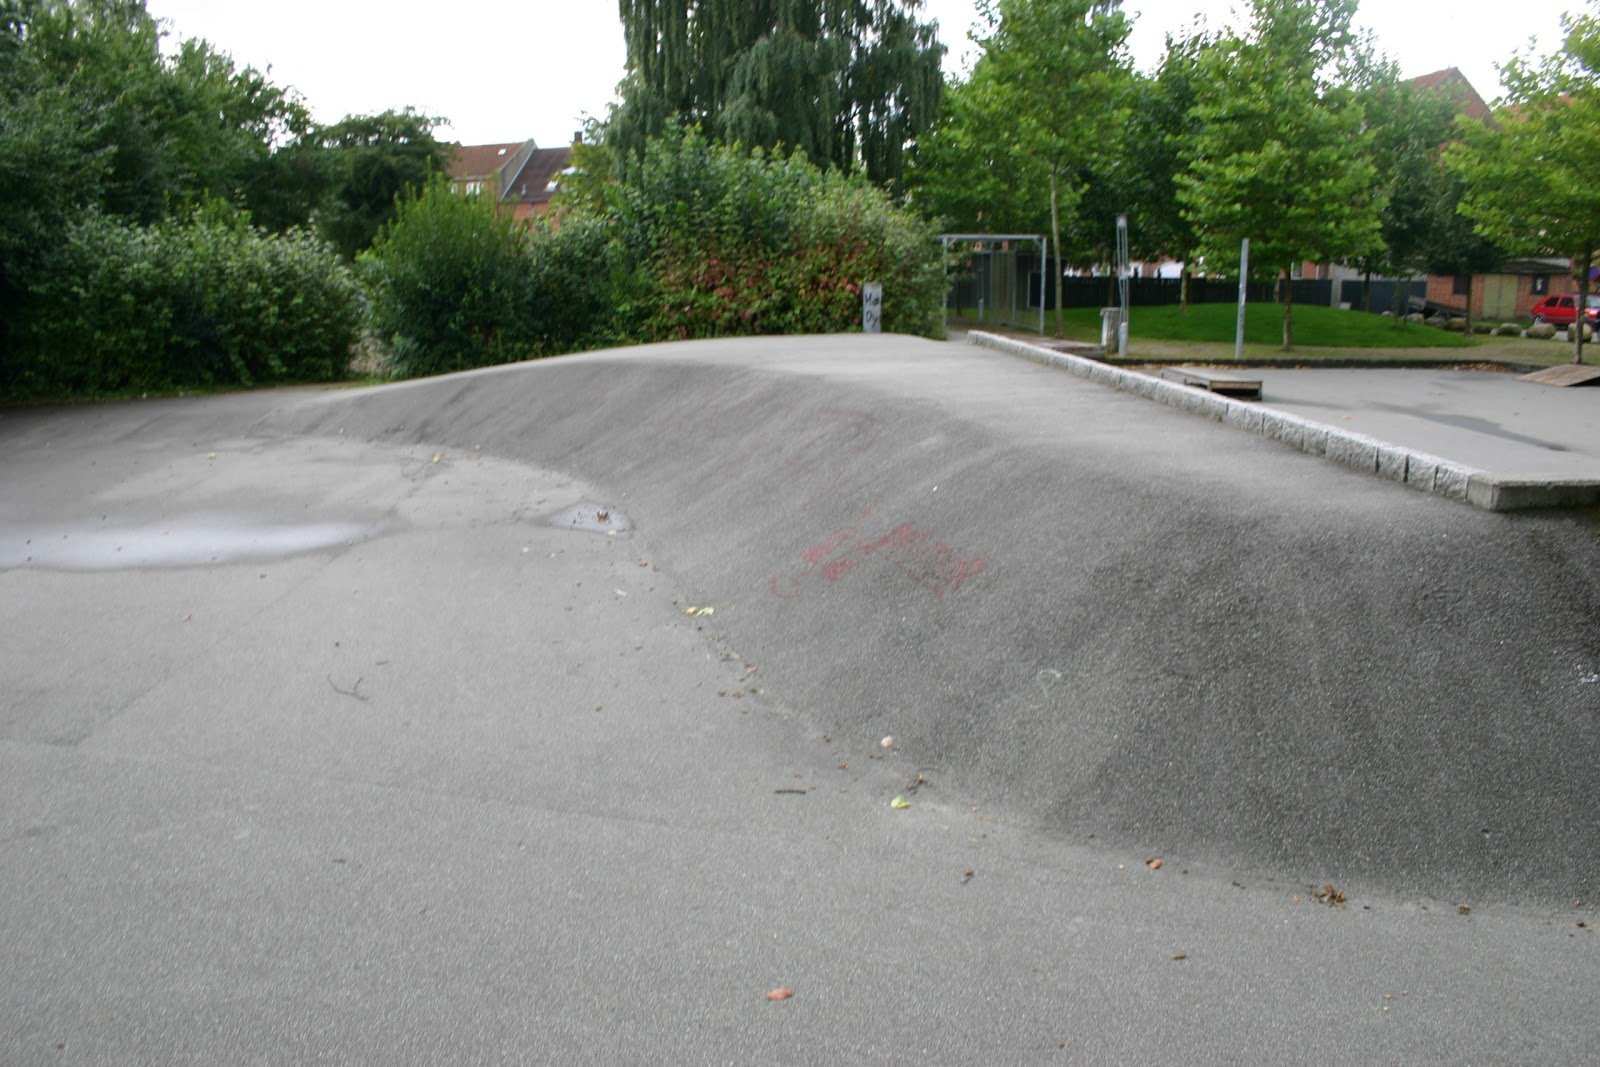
[(928, 561)]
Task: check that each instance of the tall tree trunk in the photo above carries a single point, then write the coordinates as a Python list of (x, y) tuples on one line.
[(1055, 235), (1286, 293), (1583, 304), (1469, 306), (1183, 286)]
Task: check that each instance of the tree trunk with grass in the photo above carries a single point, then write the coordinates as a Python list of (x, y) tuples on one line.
[(1583, 304), (1055, 235), (1286, 294)]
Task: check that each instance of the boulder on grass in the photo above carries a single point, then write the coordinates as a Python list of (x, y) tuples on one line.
[(1454, 325), (1416, 317), (1542, 330)]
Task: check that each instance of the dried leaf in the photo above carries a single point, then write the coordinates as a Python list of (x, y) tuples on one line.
[(1180, 955), (887, 742), (1330, 896), (1154, 863), (899, 803), (780, 994)]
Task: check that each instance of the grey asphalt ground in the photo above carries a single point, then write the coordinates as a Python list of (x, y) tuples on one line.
[(1489, 420), (319, 743)]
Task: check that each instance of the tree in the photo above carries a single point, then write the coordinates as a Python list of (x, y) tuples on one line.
[(1409, 127), (1030, 129), (1279, 153), (175, 130), (1530, 173), (1160, 120), (848, 82), (371, 160)]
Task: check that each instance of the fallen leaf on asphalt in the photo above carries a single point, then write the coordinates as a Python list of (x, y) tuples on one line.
[(186, 618), (1154, 863), (1330, 896), (1180, 955), (780, 994), (887, 742), (699, 613), (899, 803), (965, 878), (437, 457), (619, 592)]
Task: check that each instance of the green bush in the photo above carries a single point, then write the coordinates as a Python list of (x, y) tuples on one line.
[(451, 285), (582, 285), (201, 301), (737, 243)]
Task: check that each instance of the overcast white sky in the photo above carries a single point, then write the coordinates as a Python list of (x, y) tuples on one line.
[(506, 70)]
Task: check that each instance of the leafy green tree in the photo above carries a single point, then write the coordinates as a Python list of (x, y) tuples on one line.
[(1160, 119), (1279, 152), (1409, 126), (95, 116), (848, 82), (371, 160), (175, 130), (1530, 173), (1030, 137)]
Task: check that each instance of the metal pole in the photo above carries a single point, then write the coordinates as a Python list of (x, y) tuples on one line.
[(1125, 269), (944, 252), (1044, 269), (1244, 275)]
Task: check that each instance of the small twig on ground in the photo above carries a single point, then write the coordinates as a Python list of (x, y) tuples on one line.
[(353, 691)]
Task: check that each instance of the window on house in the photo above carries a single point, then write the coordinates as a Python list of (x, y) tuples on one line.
[(1462, 285), (1541, 284)]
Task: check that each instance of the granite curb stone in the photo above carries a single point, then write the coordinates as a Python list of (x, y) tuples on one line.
[(1420, 470)]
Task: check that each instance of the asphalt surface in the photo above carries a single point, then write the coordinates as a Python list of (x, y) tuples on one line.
[(371, 726)]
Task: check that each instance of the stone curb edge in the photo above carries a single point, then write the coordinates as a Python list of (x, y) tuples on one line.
[(1395, 463)]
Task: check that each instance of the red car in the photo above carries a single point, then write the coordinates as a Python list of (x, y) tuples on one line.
[(1561, 310)]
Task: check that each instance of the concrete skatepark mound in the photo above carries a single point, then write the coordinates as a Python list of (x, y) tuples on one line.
[(1105, 616)]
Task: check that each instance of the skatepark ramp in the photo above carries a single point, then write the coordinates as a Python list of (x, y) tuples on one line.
[(1102, 615)]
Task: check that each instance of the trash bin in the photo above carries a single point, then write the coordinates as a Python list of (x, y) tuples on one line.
[(1110, 328)]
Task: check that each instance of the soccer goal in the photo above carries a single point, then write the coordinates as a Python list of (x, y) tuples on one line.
[(996, 279)]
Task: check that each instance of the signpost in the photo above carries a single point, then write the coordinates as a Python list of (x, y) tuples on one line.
[(872, 307)]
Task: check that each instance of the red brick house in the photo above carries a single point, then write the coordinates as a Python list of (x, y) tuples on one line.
[(520, 176)]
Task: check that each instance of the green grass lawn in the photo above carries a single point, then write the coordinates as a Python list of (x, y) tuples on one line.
[(1314, 327)]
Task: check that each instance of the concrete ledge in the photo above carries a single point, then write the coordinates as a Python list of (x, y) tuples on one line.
[(1429, 473), (1509, 494)]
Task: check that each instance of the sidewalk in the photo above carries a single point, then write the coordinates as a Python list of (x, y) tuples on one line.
[(1483, 437)]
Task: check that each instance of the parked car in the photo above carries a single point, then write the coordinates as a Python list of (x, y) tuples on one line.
[(1562, 310)]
